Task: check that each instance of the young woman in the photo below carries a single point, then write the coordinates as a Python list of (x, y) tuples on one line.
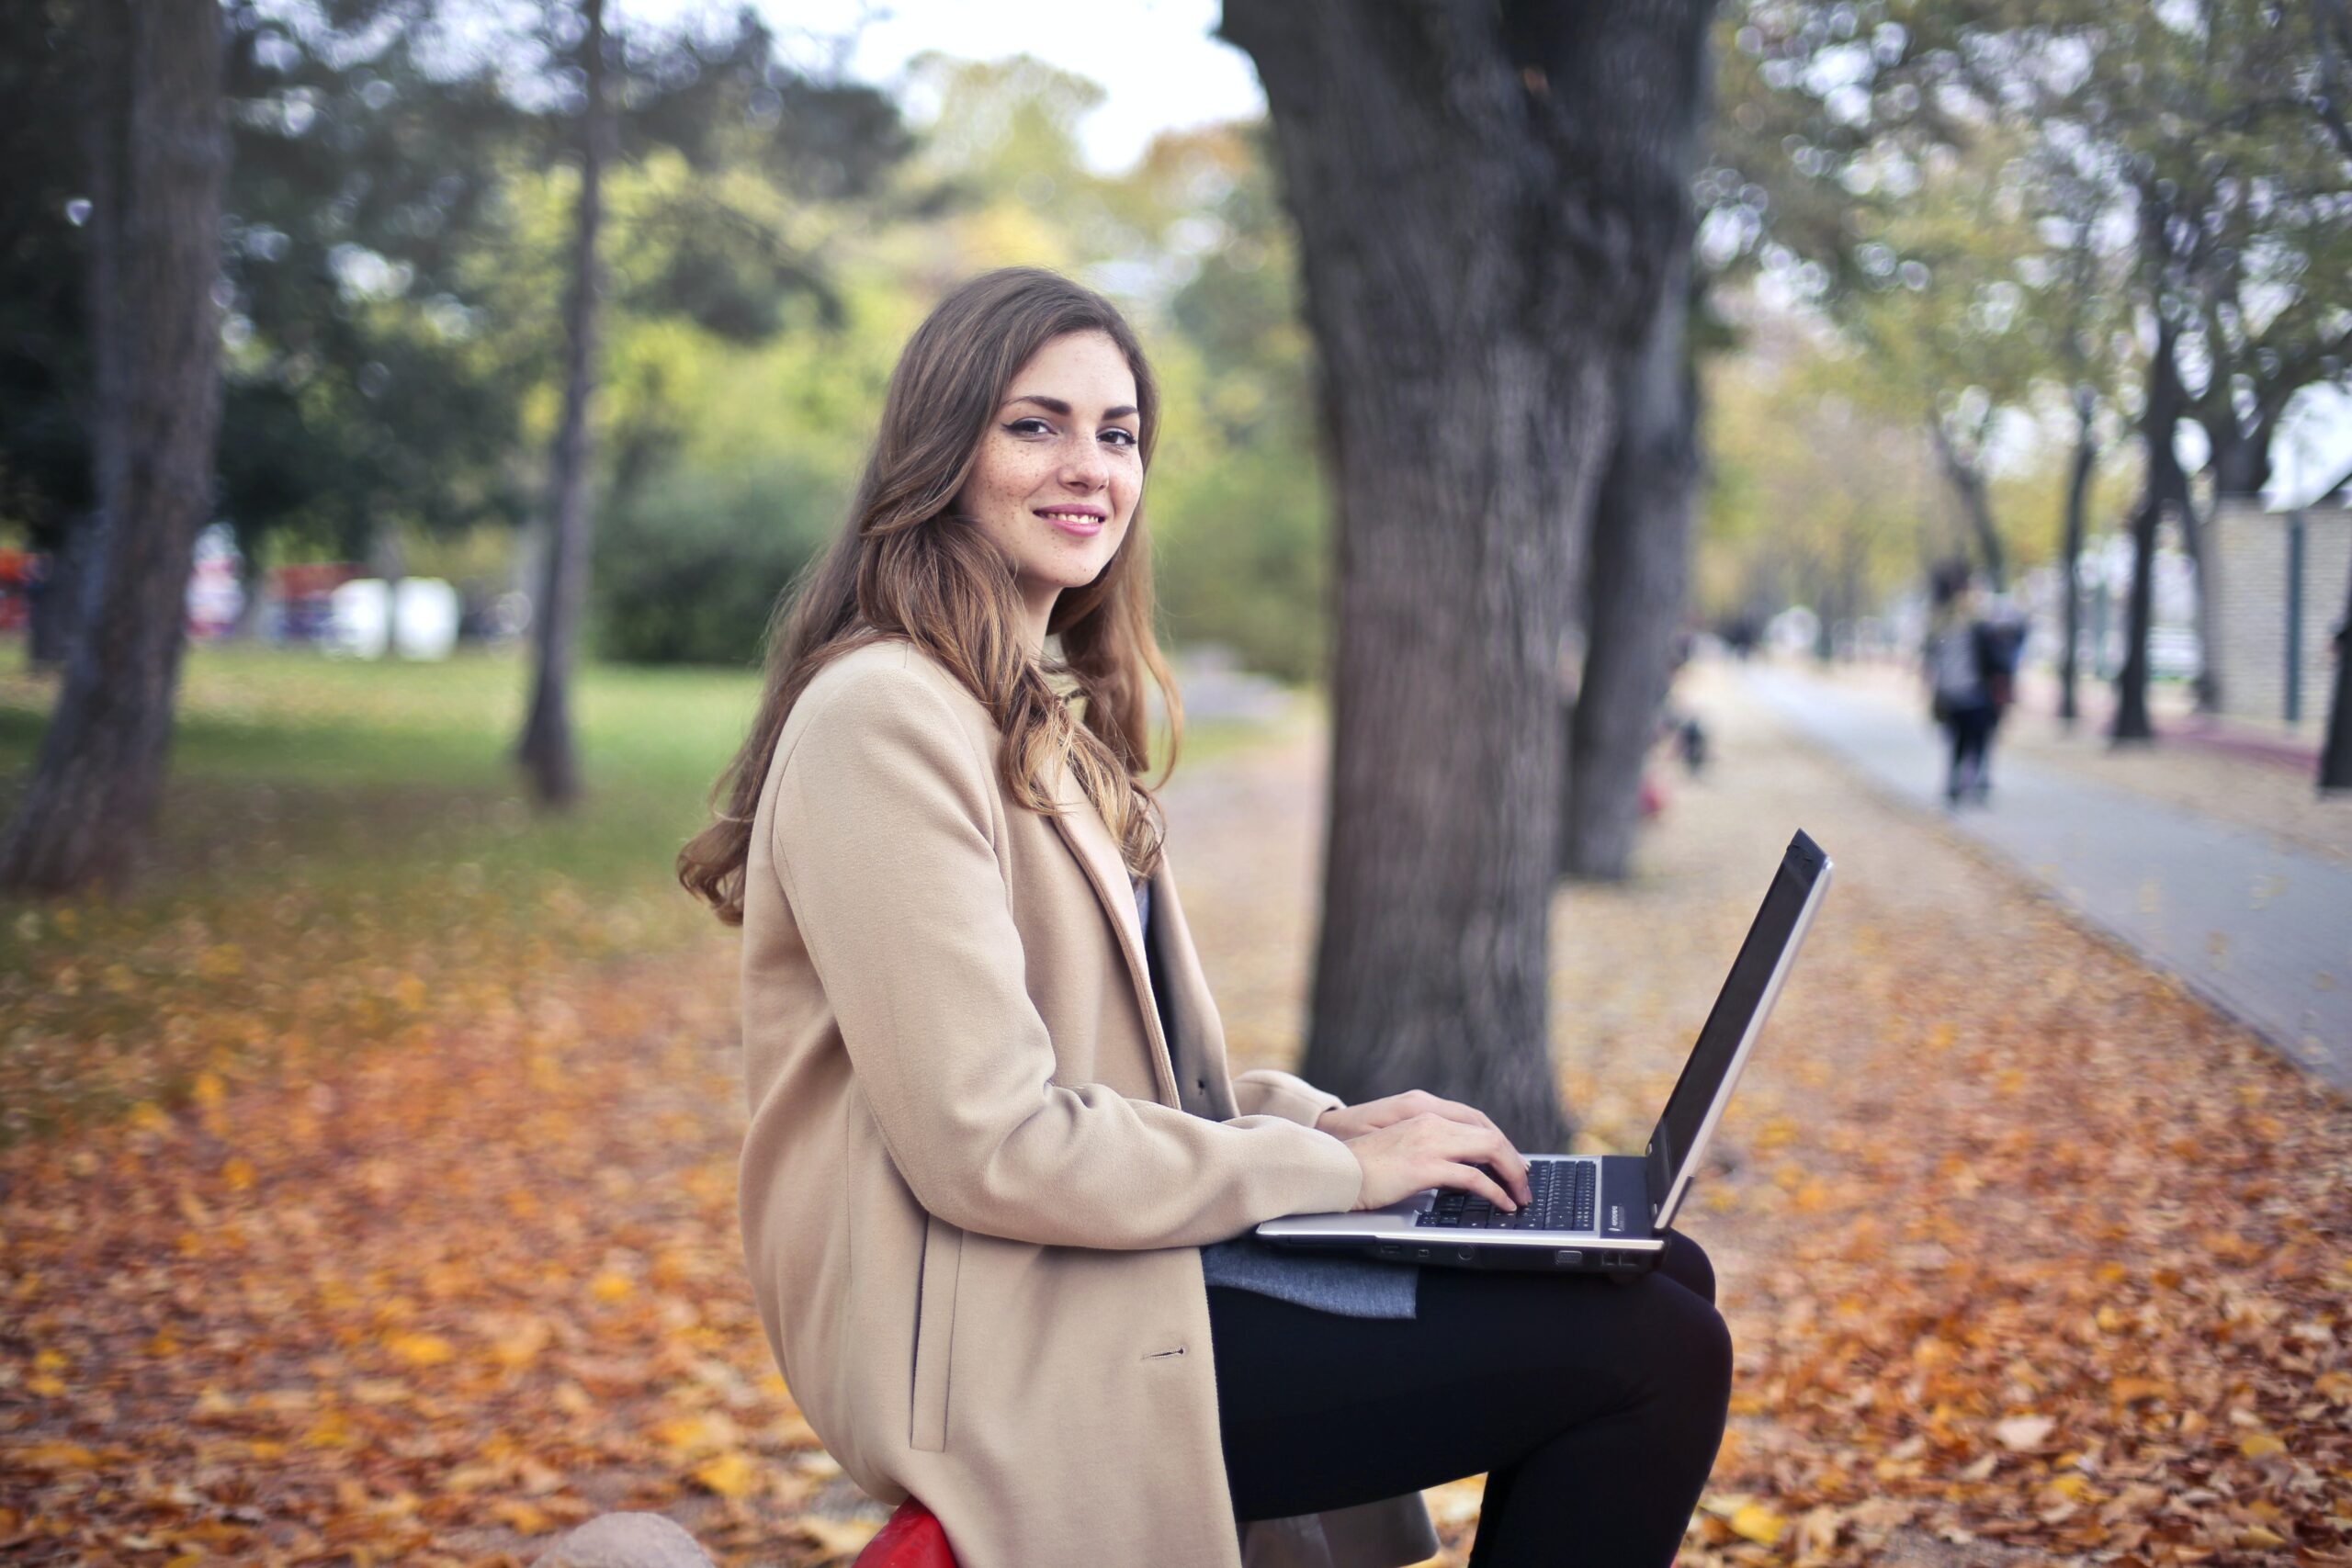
[(996, 1168)]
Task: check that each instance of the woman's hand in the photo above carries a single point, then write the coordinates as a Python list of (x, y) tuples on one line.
[(1348, 1121), (1399, 1157)]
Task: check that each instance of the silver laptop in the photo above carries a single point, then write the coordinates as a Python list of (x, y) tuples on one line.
[(1609, 1213)]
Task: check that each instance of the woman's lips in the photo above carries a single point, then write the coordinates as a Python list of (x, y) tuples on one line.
[(1084, 525)]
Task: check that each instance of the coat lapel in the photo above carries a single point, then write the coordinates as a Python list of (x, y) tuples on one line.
[(1199, 1053), (1082, 829)]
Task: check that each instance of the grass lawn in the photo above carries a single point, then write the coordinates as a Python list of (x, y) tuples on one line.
[(362, 769), (346, 855)]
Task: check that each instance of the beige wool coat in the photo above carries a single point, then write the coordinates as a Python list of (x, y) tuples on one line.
[(972, 1193)]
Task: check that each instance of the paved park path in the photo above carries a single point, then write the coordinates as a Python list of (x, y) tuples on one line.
[(2256, 925)]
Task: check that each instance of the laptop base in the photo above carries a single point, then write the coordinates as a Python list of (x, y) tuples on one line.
[(1621, 1244)]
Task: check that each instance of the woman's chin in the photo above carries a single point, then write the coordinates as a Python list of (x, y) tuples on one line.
[(1076, 571)]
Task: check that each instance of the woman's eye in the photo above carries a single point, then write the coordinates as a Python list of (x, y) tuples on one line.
[(1126, 437), (1019, 426)]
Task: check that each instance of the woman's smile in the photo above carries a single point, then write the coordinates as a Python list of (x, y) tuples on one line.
[(1084, 521), (1055, 481)]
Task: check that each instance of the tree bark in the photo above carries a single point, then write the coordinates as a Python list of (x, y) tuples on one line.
[(2208, 684), (160, 160), (1635, 582), (56, 611), (253, 584), (2078, 485), (1968, 482), (2335, 755), (546, 750), (2240, 459), (2161, 409), (1486, 198)]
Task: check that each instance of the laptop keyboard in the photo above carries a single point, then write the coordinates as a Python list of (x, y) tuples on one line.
[(1564, 1192)]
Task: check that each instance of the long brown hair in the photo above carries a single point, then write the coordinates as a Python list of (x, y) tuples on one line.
[(908, 566)]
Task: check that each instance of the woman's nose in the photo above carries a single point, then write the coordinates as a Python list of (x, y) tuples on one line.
[(1084, 465)]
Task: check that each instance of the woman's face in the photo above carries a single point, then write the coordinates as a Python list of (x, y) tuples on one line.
[(1060, 469)]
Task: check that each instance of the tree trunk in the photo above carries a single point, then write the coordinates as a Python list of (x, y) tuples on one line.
[(2335, 756), (162, 156), (1635, 580), (2161, 412), (2131, 723), (546, 748), (1968, 482), (1485, 201), (253, 584), (2240, 463), (56, 610), (2070, 554), (2208, 684)]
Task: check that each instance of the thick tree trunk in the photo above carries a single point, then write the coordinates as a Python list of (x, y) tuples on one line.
[(162, 157), (1635, 580), (546, 749), (56, 612), (1486, 199), (2070, 553), (2165, 403)]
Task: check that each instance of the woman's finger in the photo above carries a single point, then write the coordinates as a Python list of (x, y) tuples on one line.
[(1470, 1178), (1489, 1153), (1486, 1145)]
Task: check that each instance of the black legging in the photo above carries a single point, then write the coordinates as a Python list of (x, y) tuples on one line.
[(1594, 1408), (1971, 731)]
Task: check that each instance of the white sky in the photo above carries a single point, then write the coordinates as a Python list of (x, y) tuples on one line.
[(1161, 69)]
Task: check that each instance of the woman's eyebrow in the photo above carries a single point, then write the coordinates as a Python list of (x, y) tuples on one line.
[(1054, 405)]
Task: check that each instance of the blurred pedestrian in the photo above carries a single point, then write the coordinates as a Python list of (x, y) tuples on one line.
[(1969, 662)]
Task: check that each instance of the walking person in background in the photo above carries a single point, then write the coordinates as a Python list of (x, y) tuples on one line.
[(1968, 678)]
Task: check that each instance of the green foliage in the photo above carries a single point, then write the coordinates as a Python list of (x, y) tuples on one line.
[(396, 239), (397, 225), (1192, 242), (1816, 497), (689, 571), (1241, 501), (1992, 203), (45, 377), (1241, 558)]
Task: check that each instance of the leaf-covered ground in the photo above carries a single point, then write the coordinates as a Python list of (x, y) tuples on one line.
[(2028, 1258)]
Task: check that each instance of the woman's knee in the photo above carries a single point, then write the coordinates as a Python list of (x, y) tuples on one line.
[(1686, 1264), (1692, 1356), (1711, 1349)]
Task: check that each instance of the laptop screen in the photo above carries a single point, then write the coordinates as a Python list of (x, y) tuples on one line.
[(1744, 994)]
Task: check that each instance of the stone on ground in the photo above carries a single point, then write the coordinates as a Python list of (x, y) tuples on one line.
[(624, 1540)]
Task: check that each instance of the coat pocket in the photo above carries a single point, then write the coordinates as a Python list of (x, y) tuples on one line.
[(942, 1259)]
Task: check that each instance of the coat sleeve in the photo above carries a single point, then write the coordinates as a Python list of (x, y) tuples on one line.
[(1272, 1092), (882, 839)]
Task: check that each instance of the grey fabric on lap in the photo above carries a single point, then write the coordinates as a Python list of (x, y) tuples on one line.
[(1334, 1282)]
